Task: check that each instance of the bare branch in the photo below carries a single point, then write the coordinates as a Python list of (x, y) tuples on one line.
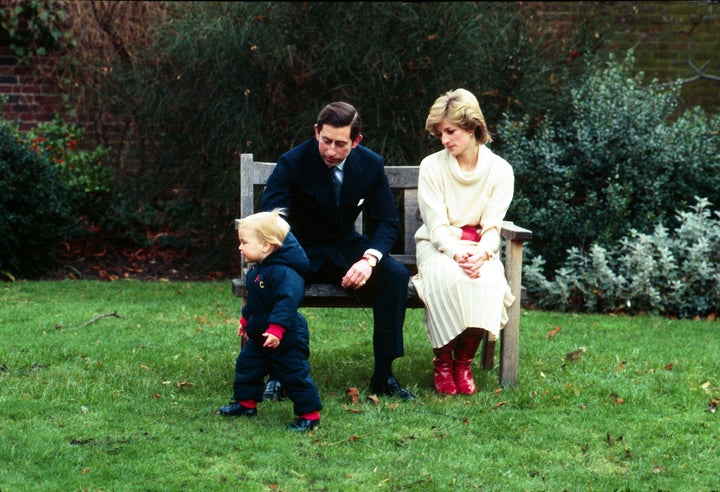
[(114, 314), (700, 71)]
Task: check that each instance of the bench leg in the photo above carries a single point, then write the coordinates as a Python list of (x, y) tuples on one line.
[(488, 357), (510, 334)]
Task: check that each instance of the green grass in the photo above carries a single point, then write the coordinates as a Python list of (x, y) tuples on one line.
[(129, 403)]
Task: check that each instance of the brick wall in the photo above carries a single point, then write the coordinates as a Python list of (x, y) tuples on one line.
[(659, 33), (32, 97)]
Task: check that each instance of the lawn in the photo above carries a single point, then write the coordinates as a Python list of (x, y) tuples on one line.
[(115, 386)]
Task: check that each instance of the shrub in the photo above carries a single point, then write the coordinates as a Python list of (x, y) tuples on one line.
[(34, 210), (209, 80), (88, 180), (670, 272), (620, 161)]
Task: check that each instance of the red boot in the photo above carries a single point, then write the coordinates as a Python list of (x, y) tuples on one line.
[(467, 345), (443, 375)]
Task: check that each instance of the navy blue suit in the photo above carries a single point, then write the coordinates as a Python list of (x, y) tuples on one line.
[(302, 184)]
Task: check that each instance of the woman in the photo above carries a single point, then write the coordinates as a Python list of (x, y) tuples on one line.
[(464, 192)]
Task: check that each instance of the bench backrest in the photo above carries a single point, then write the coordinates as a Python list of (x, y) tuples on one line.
[(403, 180)]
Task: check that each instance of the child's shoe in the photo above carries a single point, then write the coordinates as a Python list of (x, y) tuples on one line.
[(303, 425), (234, 409)]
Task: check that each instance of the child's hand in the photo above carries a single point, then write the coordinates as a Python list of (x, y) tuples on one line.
[(241, 327), (271, 340)]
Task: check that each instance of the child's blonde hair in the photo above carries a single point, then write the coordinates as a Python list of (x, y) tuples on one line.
[(269, 226)]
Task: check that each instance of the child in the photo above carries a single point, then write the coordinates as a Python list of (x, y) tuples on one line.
[(277, 335)]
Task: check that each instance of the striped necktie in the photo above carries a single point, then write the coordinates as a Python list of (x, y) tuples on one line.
[(337, 182)]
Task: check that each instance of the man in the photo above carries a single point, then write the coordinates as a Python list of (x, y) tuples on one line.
[(304, 183)]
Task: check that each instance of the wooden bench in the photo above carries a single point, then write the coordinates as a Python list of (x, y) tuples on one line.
[(403, 181)]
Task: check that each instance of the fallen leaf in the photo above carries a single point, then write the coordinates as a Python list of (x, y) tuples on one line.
[(374, 399), (352, 410), (497, 391), (145, 367), (669, 367), (184, 384), (354, 394), (84, 409), (157, 396), (575, 354), (706, 385), (86, 471), (620, 366), (498, 405), (353, 438), (554, 331), (712, 408)]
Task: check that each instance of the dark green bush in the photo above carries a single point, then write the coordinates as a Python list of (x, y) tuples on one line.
[(619, 162), (34, 211), (90, 182), (223, 78)]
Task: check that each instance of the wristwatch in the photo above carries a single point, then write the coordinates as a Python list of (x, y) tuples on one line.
[(371, 260)]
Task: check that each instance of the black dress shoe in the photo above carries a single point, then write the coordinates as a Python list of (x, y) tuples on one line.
[(274, 390), (391, 387), (303, 425), (234, 409)]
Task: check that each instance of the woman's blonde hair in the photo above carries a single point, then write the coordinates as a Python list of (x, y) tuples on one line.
[(269, 226), (461, 108)]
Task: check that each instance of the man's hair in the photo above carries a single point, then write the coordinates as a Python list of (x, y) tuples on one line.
[(461, 108), (269, 226), (340, 114)]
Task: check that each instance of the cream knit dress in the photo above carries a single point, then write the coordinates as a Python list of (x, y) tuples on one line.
[(450, 199)]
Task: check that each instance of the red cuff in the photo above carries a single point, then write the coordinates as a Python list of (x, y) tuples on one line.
[(243, 322), (276, 330)]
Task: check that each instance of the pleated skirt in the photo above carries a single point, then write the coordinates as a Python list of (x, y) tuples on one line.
[(454, 301)]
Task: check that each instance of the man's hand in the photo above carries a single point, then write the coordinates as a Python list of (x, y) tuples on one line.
[(271, 340), (358, 274)]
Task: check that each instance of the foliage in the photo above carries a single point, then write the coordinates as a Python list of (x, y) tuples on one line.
[(209, 80), (84, 172), (128, 402), (672, 272), (34, 210), (35, 27), (617, 161)]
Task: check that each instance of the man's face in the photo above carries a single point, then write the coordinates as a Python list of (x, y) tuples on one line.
[(334, 143)]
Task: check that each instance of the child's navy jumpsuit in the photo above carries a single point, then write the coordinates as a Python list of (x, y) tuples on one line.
[(275, 289)]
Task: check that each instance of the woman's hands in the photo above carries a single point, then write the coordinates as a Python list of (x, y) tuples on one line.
[(471, 261)]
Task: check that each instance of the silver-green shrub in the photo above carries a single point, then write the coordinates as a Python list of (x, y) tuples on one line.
[(626, 158), (672, 272)]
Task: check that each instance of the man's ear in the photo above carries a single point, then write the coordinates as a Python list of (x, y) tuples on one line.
[(357, 140)]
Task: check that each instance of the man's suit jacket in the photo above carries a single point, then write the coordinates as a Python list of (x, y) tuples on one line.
[(302, 184)]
